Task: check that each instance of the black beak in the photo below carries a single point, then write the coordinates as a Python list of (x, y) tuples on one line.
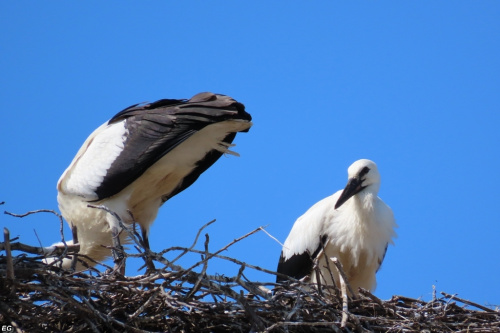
[(354, 185)]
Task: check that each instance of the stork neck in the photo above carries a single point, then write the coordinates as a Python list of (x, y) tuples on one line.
[(365, 200)]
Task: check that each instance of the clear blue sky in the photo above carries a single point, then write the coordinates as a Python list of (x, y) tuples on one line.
[(412, 85)]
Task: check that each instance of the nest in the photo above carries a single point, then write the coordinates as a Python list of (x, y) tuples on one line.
[(35, 297)]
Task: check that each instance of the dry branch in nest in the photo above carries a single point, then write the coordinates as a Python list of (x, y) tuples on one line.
[(36, 297)]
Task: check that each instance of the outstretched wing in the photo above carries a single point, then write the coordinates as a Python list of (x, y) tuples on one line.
[(121, 150)]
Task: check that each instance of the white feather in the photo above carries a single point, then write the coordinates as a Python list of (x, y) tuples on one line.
[(306, 231), (90, 165), (357, 232)]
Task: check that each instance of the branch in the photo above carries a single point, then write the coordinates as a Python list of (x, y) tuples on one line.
[(468, 302), (10, 264)]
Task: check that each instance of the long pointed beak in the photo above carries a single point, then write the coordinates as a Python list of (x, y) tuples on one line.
[(354, 185)]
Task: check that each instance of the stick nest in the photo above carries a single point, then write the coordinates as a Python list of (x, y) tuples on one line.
[(35, 297)]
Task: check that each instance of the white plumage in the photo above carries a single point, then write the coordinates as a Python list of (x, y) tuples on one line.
[(354, 225), (139, 159)]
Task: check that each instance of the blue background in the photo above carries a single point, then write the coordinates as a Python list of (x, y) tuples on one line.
[(412, 85)]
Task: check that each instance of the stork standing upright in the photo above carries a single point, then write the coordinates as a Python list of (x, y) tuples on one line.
[(354, 225), (142, 157)]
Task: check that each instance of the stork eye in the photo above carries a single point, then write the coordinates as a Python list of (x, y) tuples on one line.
[(364, 171)]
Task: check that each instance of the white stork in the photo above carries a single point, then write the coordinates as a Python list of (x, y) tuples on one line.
[(354, 225), (141, 158)]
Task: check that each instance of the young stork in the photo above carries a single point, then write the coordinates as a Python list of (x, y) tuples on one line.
[(354, 225), (141, 158)]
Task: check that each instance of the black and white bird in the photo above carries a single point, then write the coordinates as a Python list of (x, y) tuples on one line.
[(354, 225), (142, 157)]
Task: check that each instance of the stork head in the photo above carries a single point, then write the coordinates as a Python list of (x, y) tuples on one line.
[(362, 175)]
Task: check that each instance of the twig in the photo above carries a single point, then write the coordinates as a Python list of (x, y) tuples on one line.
[(226, 247), (34, 212), (54, 250), (271, 236), (42, 211), (345, 297), (146, 304), (317, 271), (122, 225), (340, 269), (59, 216), (236, 261), (194, 242), (371, 296), (296, 307), (10, 265), (469, 303), (196, 286), (333, 324), (253, 288), (323, 250), (74, 260)]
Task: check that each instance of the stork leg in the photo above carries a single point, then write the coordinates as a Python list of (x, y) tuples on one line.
[(150, 266), (117, 251), (74, 259)]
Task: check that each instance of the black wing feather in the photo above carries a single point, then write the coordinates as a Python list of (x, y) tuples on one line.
[(202, 166), (299, 266), (157, 128), (380, 260)]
